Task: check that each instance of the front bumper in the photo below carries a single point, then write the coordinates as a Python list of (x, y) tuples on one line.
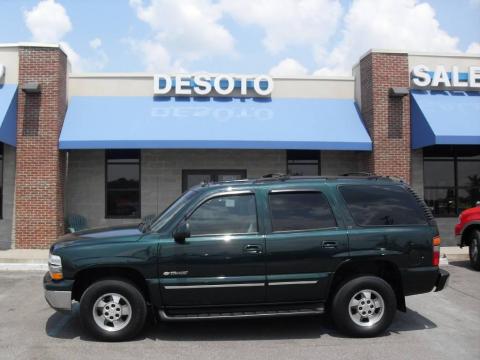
[(58, 294), (442, 280), (59, 300)]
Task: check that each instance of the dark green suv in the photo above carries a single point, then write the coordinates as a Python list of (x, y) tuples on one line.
[(278, 246)]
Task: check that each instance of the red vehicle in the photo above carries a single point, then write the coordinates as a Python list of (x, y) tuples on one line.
[(467, 232)]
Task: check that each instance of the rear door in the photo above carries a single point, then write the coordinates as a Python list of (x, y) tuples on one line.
[(305, 243)]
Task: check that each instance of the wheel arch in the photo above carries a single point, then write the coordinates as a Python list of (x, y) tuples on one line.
[(467, 231), (386, 270), (85, 278)]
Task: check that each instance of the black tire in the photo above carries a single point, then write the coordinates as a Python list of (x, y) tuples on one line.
[(340, 309), (134, 300), (474, 249)]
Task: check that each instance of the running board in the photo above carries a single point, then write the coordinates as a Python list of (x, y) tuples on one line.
[(240, 315)]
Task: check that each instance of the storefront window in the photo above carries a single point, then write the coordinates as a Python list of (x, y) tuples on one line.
[(194, 177), (122, 183), (303, 162), (1, 180), (451, 178)]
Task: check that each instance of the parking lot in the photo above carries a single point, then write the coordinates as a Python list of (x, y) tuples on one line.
[(443, 325)]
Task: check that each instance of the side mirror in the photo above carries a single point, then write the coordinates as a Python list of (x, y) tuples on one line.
[(181, 232)]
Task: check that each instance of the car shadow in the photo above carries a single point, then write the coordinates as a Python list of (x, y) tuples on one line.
[(462, 263), (68, 326)]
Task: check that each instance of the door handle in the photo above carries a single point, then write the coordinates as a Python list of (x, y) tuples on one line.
[(329, 244), (252, 249)]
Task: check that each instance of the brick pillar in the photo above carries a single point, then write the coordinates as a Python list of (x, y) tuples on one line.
[(40, 166), (387, 118)]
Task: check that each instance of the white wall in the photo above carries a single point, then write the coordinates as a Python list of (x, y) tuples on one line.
[(9, 58), (142, 85)]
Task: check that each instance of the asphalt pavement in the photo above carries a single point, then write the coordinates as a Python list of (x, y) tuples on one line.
[(444, 325)]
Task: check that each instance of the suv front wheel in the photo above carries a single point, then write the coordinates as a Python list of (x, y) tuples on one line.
[(113, 310), (364, 306)]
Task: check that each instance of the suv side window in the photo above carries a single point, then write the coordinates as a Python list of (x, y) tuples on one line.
[(300, 210), (230, 214), (380, 205)]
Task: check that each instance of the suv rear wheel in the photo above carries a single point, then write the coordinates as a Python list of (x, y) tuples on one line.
[(474, 248), (113, 310), (364, 306)]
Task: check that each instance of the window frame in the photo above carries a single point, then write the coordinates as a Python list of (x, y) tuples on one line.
[(377, 226), (453, 154), (214, 173), (139, 216), (299, 190), (202, 201)]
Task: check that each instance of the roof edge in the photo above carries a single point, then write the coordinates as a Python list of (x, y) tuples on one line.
[(150, 75)]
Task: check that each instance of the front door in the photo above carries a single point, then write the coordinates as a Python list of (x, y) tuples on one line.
[(223, 261), (305, 244)]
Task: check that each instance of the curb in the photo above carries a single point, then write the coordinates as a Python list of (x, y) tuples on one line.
[(443, 260), (23, 267)]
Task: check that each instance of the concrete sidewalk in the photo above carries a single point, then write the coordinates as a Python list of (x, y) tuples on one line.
[(35, 259), (24, 259)]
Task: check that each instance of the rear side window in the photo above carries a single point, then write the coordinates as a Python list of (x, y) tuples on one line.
[(380, 205), (300, 211)]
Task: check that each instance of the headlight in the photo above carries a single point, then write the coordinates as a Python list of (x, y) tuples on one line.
[(55, 267)]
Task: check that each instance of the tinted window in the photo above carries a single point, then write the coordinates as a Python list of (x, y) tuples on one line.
[(382, 205), (451, 178), (123, 183), (300, 211), (235, 214), (303, 162)]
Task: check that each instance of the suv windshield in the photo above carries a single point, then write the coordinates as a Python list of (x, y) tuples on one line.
[(166, 215)]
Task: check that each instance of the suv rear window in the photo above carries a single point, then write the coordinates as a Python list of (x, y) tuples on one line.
[(380, 205), (297, 210)]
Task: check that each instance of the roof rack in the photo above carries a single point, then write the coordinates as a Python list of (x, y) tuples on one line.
[(284, 177)]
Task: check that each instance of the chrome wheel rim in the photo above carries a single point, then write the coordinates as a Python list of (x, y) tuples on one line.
[(366, 308), (112, 312), (474, 249)]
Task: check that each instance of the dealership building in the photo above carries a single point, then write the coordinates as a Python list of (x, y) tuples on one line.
[(108, 148)]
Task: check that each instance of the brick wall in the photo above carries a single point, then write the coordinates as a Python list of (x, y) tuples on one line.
[(386, 118), (40, 165)]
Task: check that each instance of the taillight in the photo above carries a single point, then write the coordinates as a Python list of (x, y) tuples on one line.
[(436, 250)]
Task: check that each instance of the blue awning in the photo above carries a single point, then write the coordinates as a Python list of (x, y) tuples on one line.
[(8, 114), (445, 117), (212, 123)]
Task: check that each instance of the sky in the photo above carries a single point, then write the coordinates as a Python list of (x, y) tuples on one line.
[(279, 37)]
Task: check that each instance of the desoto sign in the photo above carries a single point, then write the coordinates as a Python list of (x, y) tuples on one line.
[(422, 76), (163, 84)]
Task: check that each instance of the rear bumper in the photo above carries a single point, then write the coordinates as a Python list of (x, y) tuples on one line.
[(442, 280), (423, 280)]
